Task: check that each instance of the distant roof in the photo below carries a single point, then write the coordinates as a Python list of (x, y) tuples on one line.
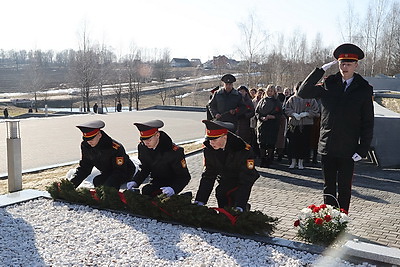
[(181, 60)]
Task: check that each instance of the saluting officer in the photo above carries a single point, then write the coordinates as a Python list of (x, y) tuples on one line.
[(162, 159), (104, 153), (347, 121), (229, 160)]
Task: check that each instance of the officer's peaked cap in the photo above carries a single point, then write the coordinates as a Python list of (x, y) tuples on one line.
[(348, 52), (215, 129), (228, 78), (90, 129), (149, 128)]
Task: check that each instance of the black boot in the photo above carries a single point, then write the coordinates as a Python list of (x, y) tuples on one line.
[(314, 157), (263, 155)]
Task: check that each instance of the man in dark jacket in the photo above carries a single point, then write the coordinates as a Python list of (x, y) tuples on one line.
[(226, 104), (104, 153), (162, 159), (347, 121), (230, 160)]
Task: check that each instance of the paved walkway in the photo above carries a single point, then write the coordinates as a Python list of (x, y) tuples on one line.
[(55, 140), (282, 193)]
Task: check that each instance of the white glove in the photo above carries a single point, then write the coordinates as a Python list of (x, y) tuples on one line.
[(131, 185), (328, 65), (356, 157), (198, 203), (296, 116), (168, 191), (304, 114)]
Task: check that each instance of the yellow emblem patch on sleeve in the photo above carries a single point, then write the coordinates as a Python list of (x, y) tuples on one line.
[(115, 145), (183, 163), (250, 164), (119, 161)]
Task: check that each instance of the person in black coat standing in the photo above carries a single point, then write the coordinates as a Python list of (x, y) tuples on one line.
[(229, 160), (347, 121), (226, 104), (162, 160), (104, 153)]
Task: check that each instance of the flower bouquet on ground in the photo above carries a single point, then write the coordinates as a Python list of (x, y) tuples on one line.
[(321, 224)]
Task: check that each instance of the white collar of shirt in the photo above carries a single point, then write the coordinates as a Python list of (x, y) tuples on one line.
[(348, 82)]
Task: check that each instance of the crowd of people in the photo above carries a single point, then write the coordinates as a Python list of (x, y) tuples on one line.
[(242, 125), (276, 122)]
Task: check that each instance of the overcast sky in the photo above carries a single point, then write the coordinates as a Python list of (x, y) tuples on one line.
[(188, 28)]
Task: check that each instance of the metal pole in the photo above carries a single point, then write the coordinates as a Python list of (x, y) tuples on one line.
[(14, 161)]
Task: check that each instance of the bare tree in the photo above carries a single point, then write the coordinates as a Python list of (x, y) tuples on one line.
[(85, 69), (390, 33), (36, 80), (348, 23), (254, 39)]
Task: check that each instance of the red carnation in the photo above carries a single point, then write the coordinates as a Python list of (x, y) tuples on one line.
[(297, 223), (318, 221), (327, 218), (311, 206), (344, 211), (322, 206), (316, 209), (308, 104)]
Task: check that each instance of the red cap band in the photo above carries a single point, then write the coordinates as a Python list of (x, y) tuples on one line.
[(148, 133), (348, 56), (216, 133), (91, 134)]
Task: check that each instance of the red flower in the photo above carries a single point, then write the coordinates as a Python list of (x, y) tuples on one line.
[(323, 206), (318, 221), (344, 211), (297, 223), (311, 206), (308, 104), (327, 218), (316, 209)]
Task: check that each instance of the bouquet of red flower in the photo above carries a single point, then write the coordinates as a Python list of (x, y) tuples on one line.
[(321, 224)]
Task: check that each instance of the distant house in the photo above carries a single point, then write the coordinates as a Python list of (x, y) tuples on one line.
[(196, 62), (224, 62), (180, 62)]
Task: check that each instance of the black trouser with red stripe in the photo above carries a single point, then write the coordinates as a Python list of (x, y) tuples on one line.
[(233, 194), (340, 171)]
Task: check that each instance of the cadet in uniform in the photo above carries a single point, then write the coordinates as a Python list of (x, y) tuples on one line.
[(229, 160), (347, 121), (162, 159), (104, 153)]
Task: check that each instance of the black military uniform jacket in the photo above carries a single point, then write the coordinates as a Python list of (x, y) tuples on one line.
[(234, 166), (222, 102), (347, 118), (108, 156), (166, 164)]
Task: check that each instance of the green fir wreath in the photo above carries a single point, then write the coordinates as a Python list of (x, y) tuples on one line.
[(175, 209)]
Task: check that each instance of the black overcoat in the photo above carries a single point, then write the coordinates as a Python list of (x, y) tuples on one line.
[(347, 118), (166, 165), (236, 169), (109, 157)]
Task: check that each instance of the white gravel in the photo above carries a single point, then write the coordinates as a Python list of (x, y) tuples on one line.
[(47, 233)]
